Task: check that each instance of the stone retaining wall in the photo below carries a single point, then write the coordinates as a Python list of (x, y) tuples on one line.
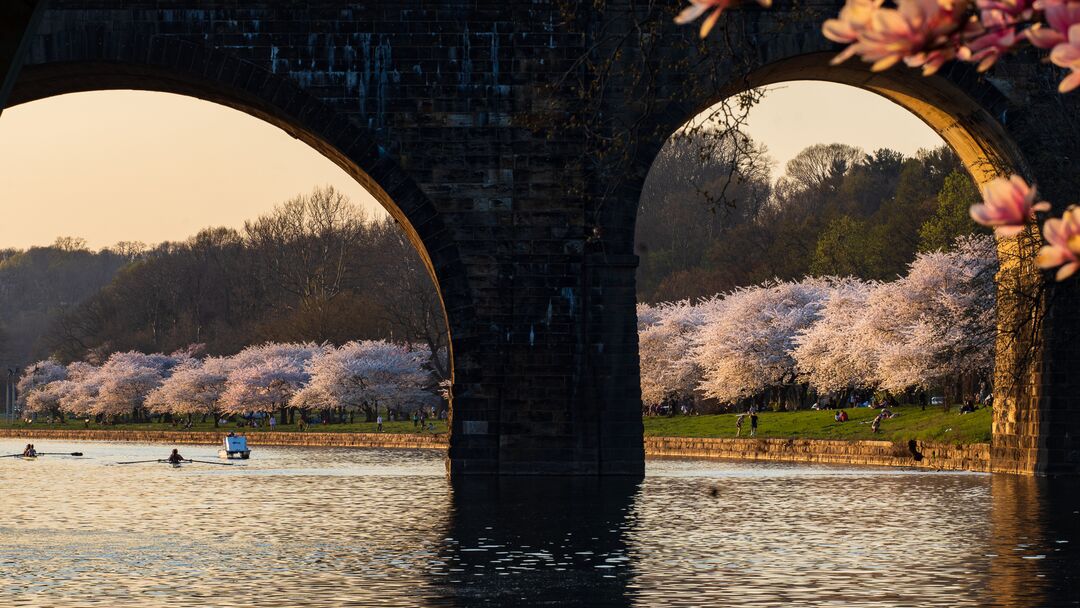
[(344, 440), (972, 457), (959, 457)]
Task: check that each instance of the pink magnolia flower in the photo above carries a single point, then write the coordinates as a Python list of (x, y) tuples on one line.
[(698, 8), (1063, 238), (1020, 9), (988, 38), (1067, 55), (1007, 205), (922, 33), (1060, 15), (853, 19)]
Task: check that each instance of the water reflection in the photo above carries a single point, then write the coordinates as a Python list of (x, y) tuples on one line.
[(340, 527), (1035, 554), (527, 541)]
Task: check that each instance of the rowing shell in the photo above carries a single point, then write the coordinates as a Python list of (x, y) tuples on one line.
[(27, 457)]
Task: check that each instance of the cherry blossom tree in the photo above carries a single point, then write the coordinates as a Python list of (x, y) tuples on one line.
[(194, 388), (38, 388), (938, 322), (745, 345), (826, 353), (265, 377), (80, 390), (127, 378), (665, 335), (361, 375)]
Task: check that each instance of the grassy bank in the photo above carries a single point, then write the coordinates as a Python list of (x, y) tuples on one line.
[(356, 427), (931, 424)]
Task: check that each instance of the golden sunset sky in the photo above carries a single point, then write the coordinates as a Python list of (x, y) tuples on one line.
[(138, 166)]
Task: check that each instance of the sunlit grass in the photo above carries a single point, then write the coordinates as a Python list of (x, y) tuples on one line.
[(913, 422), (931, 424)]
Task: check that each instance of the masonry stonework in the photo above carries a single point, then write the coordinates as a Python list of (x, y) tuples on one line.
[(485, 129)]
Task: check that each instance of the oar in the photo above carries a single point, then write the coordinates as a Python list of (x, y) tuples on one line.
[(10, 455), (224, 464), (141, 461), (59, 453)]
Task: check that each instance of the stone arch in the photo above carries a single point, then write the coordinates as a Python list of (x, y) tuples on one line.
[(180, 67), (972, 115), (966, 110)]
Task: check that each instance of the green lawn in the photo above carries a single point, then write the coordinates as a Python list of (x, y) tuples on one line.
[(931, 424), (356, 427)]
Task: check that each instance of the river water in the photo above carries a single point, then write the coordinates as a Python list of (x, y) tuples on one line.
[(346, 527)]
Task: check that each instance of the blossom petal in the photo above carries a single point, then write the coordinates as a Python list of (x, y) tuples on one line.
[(707, 25), (1067, 271)]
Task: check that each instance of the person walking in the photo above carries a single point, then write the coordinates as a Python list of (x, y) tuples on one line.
[(753, 423), (272, 421), (378, 423), (738, 424)]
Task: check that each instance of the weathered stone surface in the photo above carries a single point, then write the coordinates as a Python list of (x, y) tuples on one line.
[(465, 120)]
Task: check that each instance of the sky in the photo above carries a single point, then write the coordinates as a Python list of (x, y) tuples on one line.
[(797, 114), (112, 166)]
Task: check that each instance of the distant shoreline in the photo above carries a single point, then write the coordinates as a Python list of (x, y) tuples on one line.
[(938, 456)]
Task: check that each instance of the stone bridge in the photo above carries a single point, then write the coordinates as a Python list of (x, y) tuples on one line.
[(511, 139)]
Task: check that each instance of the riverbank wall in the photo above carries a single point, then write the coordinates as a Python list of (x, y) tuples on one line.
[(920, 454), (258, 438)]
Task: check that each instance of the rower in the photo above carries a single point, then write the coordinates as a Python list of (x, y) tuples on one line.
[(29, 451), (175, 457)]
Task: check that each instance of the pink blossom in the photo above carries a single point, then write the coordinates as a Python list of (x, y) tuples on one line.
[(919, 32), (1063, 238), (1020, 9), (988, 38), (1007, 205), (1067, 55), (698, 8), (853, 19), (1060, 15)]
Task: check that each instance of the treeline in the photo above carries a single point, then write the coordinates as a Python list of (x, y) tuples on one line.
[(784, 343), (41, 283), (314, 269), (708, 224)]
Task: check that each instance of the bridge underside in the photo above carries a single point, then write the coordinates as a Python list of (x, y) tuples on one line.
[(469, 122)]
